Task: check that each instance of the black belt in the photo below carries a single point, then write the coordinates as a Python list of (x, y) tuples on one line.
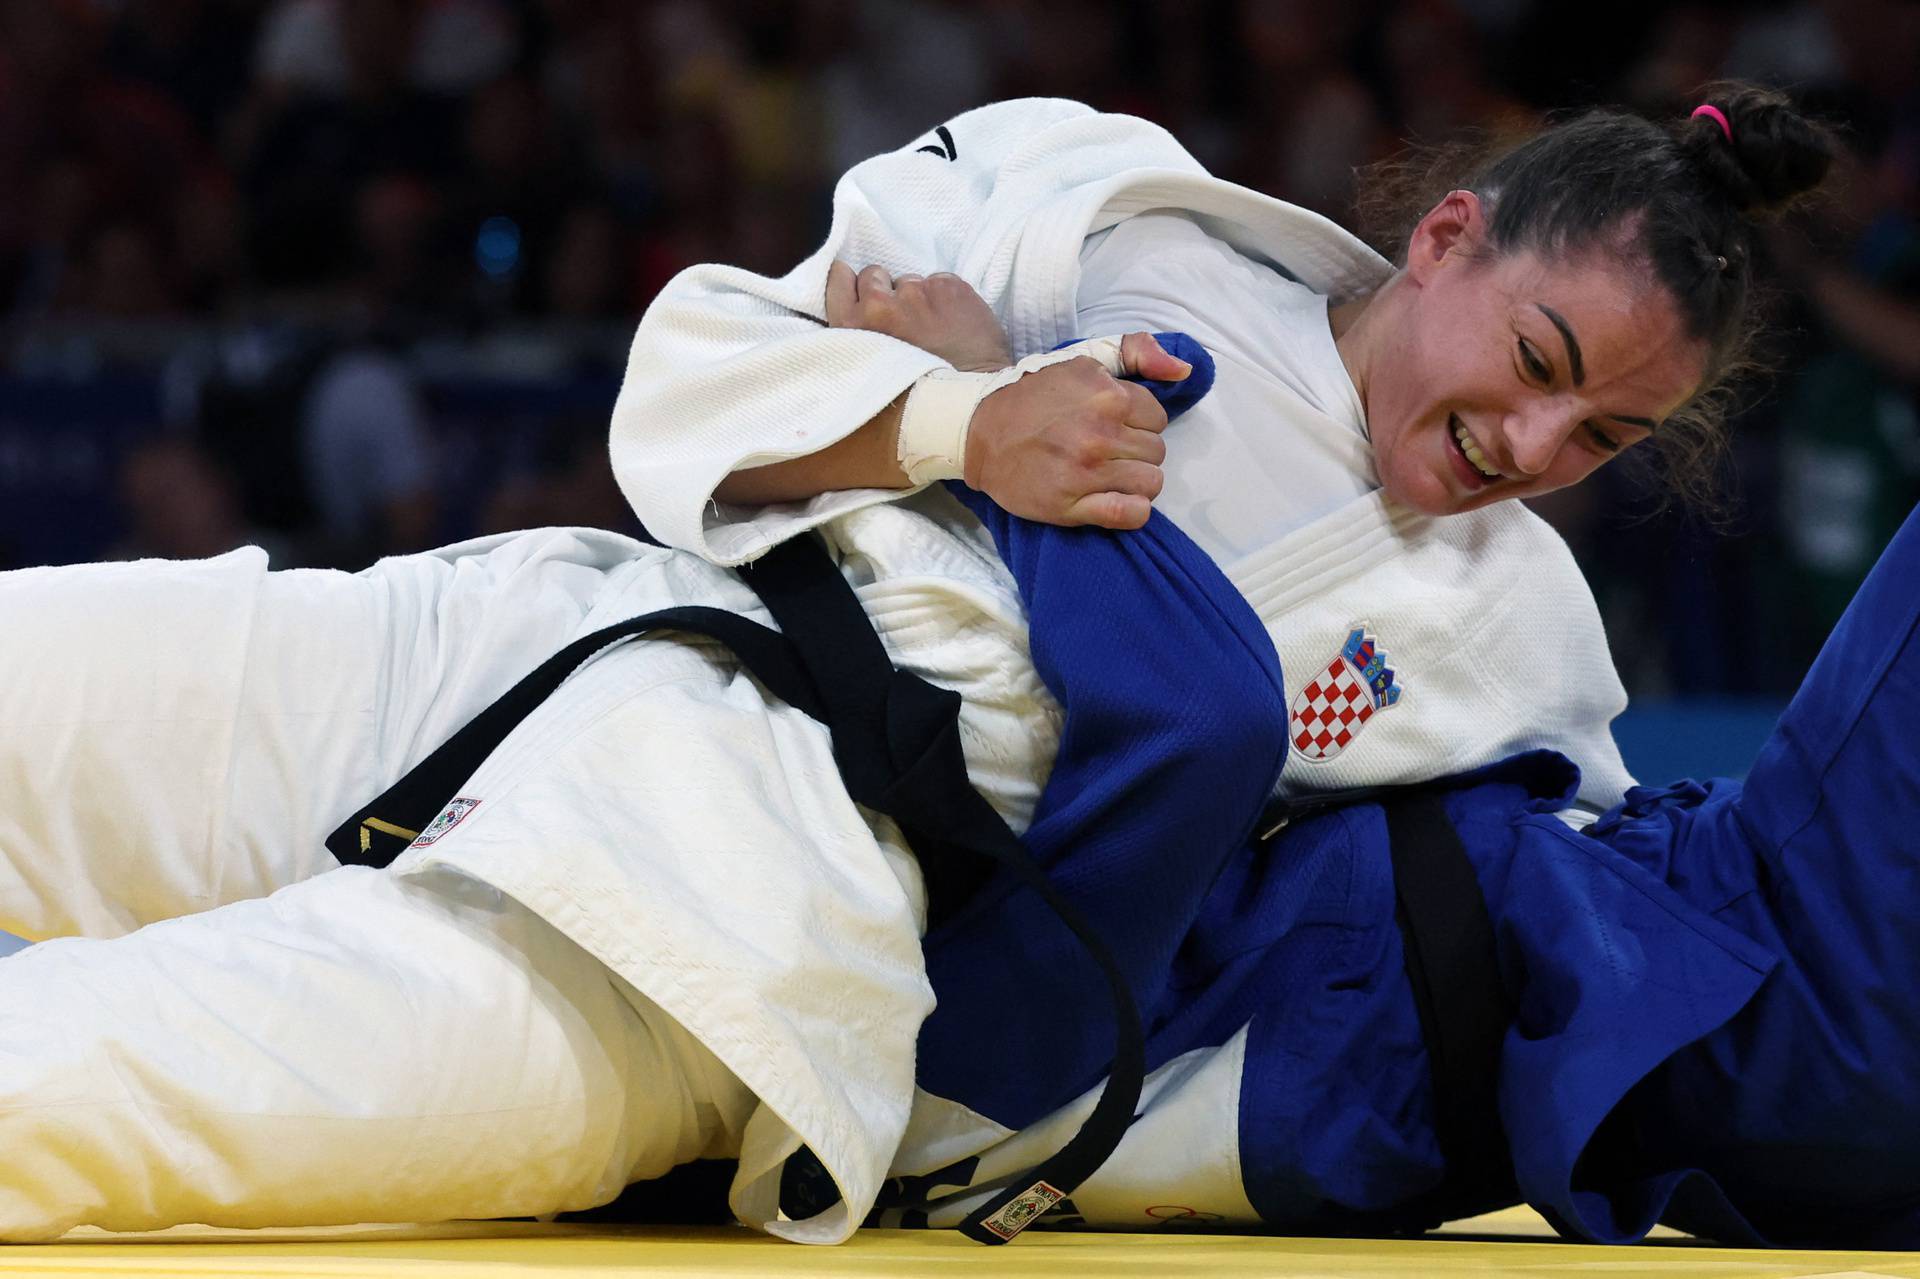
[(1453, 967), (897, 744)]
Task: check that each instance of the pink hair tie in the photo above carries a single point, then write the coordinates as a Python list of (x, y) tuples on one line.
[(1716, 115)]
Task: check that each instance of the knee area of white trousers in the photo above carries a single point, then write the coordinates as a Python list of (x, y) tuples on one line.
[(654, 1096), (354, 1048)]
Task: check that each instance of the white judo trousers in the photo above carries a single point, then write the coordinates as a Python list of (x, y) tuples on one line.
[(178, 739), (235, 1030)]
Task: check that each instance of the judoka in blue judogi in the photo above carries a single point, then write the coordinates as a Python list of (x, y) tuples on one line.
[(1714, 988)]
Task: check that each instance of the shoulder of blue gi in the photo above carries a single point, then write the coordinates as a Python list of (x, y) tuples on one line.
[(1173, 737)]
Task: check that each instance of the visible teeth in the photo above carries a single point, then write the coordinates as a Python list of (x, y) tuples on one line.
[(1472, 450)]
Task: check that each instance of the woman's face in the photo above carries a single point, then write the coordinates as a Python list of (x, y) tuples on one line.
[(1510, 376)]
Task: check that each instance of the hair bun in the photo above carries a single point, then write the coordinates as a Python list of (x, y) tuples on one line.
[(1775, 155)]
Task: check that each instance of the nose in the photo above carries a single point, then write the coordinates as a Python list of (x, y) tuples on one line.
[(1535, 433)]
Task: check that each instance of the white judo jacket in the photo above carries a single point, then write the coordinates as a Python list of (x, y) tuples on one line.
[(1489, 629)]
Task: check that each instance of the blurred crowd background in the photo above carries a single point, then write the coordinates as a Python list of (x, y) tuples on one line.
[(351, 277)]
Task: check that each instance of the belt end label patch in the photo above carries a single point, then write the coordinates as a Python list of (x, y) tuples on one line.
[(1021, 1211)]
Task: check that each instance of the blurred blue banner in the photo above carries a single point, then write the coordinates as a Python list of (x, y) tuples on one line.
[(1694, 737), (61, 443)]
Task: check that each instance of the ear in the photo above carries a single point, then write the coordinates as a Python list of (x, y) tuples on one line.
[(1452, 232)]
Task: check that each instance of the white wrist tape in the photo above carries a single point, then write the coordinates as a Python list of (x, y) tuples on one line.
[(932, 443)]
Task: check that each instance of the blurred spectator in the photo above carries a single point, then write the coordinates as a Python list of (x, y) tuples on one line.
[(757, 78), (600, 75), (87, 151), (569, 484), (193, 52), (120, 275), (1690, 46), (180, 505), (1080, 49), (208, 237), (1308, 121), (239, 397), (325, 136), (369, 457), (440, 46), (1440, 83), (937, 57), (586, 267), (399, 277), (505, 209), (1784, 43), (697, 212), (56, 210), (1849, 411)]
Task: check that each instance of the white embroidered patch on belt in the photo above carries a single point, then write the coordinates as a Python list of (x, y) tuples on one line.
[(1022, 1209), (450, 816), (1338, 701)]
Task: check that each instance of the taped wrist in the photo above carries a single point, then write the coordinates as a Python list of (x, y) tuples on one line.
[(934, 422)]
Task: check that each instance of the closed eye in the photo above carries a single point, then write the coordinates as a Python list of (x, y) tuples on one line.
[(1536, 367), (1602, 439)]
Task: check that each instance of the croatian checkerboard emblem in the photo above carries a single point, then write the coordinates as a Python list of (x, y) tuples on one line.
[(450, 816), (1339, 700)]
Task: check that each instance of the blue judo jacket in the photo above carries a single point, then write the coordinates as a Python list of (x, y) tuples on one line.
[(1717, 1013)]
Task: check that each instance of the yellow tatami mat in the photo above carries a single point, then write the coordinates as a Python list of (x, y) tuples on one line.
[(487, 1250)]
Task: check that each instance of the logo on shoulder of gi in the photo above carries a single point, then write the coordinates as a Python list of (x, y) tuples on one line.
[(946, 150), (1339, 700), (450, 816)]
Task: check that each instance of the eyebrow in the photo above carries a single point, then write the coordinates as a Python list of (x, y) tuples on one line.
[(1578, 365)]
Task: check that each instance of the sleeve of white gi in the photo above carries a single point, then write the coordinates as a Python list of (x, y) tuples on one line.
[(731, 370)]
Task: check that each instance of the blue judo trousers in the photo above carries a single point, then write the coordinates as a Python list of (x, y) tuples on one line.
[(1717, 984)]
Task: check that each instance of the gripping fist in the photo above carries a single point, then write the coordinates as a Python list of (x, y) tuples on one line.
[(1073, 444), (1070, 443), (939, 313)]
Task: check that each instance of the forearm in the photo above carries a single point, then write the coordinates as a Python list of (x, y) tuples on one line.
[(868, 458), (702, 400)]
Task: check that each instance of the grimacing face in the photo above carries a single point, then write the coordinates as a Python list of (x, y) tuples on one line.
[(1492, 376)]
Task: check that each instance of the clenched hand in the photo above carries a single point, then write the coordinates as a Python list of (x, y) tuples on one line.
[(1067, 444)]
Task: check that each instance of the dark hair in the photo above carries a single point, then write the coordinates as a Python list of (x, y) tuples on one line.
[(1679, 200)]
